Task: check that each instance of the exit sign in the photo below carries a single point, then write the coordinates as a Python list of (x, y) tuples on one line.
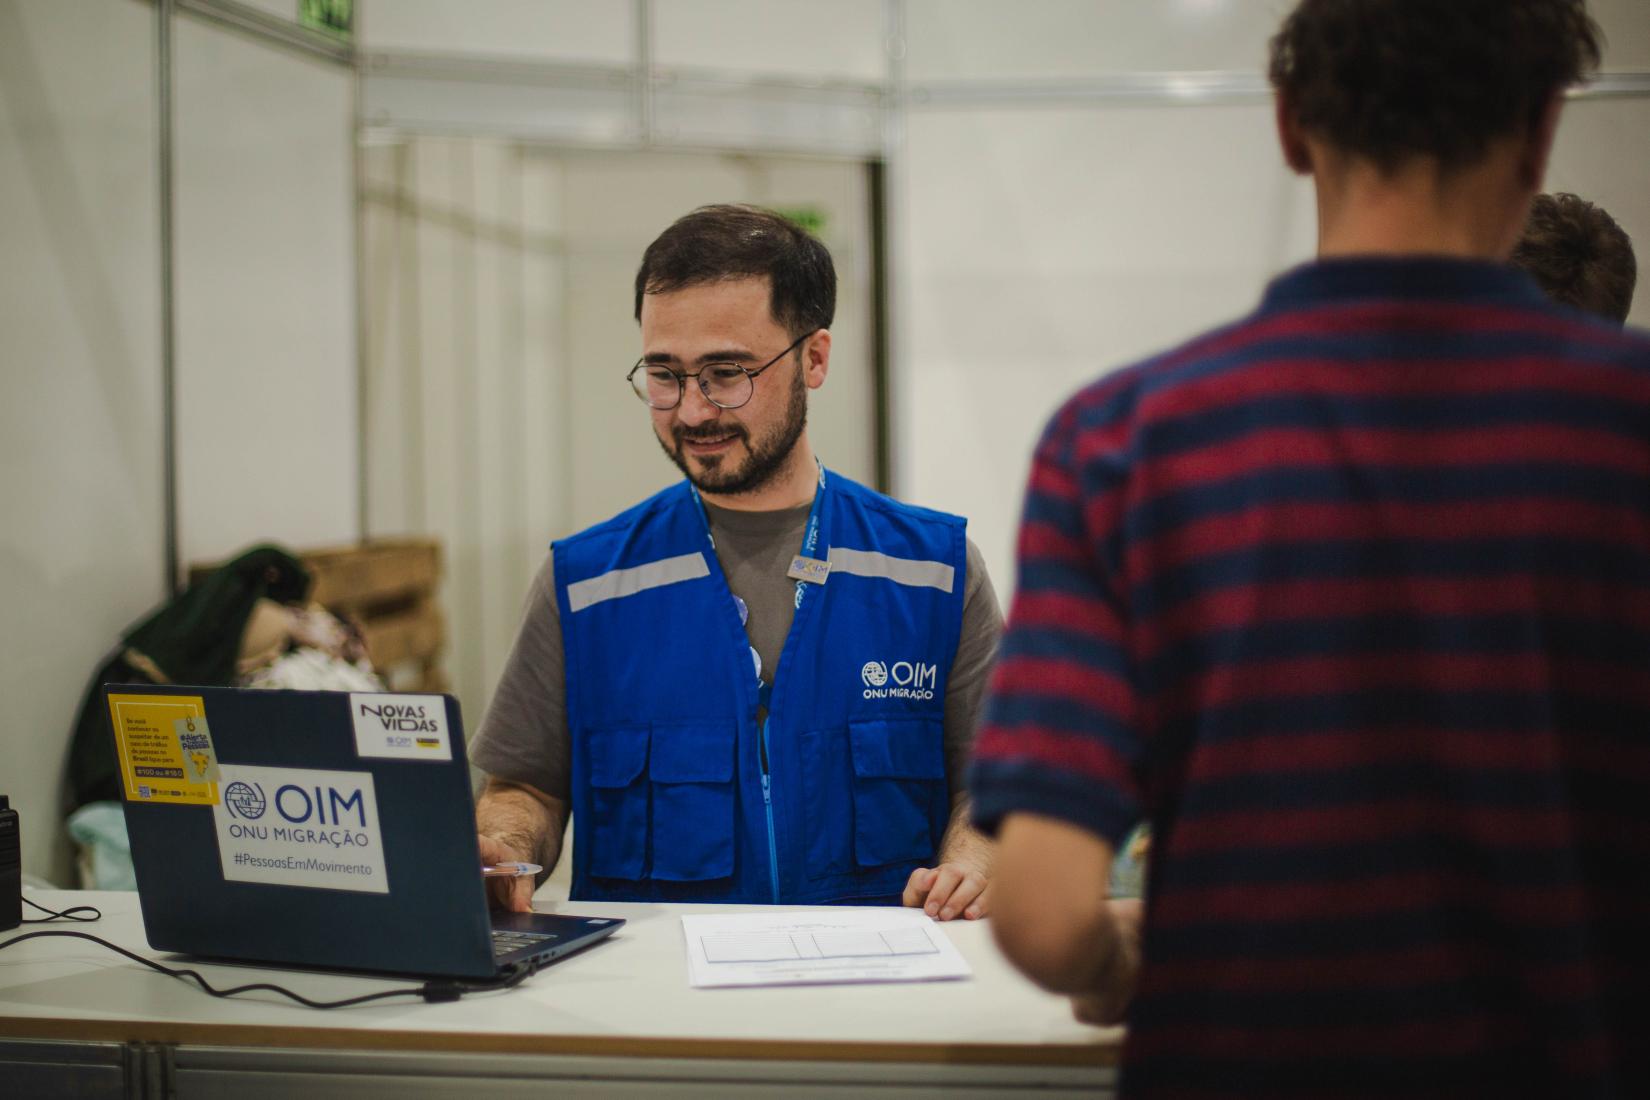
[(335, 17)]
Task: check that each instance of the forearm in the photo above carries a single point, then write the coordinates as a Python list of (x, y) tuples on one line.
[(1052, 917), (1098, 959), (962, 843), (523, 817)]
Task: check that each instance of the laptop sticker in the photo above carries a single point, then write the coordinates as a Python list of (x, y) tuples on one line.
[(401, 727), (200, 760), (300, 827), (163, 759)]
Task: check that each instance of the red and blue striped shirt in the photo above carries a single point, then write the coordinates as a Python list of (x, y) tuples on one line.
[(1351, 601)]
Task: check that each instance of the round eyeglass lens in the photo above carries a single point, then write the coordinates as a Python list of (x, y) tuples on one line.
[(725, 384), (658, 386)]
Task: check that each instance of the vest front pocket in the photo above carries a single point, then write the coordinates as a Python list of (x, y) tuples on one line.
[(691, 768), (899, 783), (617, 831)]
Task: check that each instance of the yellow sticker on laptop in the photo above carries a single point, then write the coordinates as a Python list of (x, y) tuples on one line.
[(165, 748)]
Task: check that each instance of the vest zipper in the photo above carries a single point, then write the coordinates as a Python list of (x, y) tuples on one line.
[(767, 805)]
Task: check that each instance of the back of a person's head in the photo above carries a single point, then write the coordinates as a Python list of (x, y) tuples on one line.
[(1391, 80), (1579, 255)]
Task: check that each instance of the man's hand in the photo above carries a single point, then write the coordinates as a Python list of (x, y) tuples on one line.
[(948, 891), (961, 885), (517, 822), (512, 894)]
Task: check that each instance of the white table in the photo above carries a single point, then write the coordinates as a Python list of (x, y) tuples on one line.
[(617, 1020)]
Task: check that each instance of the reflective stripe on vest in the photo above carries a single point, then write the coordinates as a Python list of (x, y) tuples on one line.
[(618, 583), (911, 571)]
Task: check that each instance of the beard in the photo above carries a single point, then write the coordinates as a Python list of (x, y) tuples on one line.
[(764, 458)]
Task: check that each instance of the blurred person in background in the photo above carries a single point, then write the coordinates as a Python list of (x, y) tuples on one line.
[(1579, 255)]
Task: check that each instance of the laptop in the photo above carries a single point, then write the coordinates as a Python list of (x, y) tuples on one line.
[(316, 829)]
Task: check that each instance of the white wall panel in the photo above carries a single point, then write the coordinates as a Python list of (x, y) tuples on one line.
[(1044, 248), (81, 551), (786, 38), (1065, 39), (461, 414), (553, 30), (390, 262), (492, 404), (266, 368), (1626, 25), (1603, 155), (279, 9), (841, 417), (546, 453)]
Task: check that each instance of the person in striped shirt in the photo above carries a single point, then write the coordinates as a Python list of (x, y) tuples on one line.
[(1350, 600)]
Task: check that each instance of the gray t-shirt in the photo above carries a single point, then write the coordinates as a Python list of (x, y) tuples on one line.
[(524, 736)]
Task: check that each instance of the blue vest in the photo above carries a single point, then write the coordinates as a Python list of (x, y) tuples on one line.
[(678, 794)]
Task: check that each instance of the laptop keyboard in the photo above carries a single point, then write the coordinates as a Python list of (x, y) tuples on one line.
[(505, 942)]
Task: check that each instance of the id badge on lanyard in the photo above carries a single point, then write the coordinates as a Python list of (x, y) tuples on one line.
[(806, 569)]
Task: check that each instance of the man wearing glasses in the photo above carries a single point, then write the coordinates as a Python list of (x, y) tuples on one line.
[(760, 684)]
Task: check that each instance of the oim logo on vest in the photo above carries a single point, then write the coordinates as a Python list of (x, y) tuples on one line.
[(900, 680)]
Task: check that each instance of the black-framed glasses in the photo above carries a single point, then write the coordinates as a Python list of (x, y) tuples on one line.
[(725, 385)]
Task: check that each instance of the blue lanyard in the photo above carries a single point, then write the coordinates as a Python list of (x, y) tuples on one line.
[(810, 536), (810, 544)]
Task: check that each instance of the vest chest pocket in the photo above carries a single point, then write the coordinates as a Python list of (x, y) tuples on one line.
[(873, 792), (617, 830), (691, 769)]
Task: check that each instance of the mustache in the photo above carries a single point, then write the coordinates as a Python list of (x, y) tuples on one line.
[(707, 432)]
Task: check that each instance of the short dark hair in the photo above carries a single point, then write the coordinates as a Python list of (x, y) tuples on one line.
[(728, 241), (1389, 80), (1579, 255)]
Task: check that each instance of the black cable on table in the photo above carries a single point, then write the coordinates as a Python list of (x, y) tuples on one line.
[(432, 991), (67, 914)]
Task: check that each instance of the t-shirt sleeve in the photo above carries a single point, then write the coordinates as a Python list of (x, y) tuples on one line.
[(523, 737), (982, 627), (1060, 735)]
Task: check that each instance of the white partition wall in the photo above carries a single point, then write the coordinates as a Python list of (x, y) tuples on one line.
[(1082, 240), (1603, 154), (1085, 182), (266, 369), (792, 39), (1050, 40), (81, 547), (561, 30), (463, 383)]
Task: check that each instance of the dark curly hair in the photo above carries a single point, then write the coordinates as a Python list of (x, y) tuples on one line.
[(1388, 80), (1579, 255), (736, 242)]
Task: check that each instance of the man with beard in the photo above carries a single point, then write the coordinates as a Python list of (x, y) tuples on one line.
[(758, 685)]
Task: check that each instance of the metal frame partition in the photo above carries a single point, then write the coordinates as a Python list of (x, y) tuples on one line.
[(243, 19), (645, 106)]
